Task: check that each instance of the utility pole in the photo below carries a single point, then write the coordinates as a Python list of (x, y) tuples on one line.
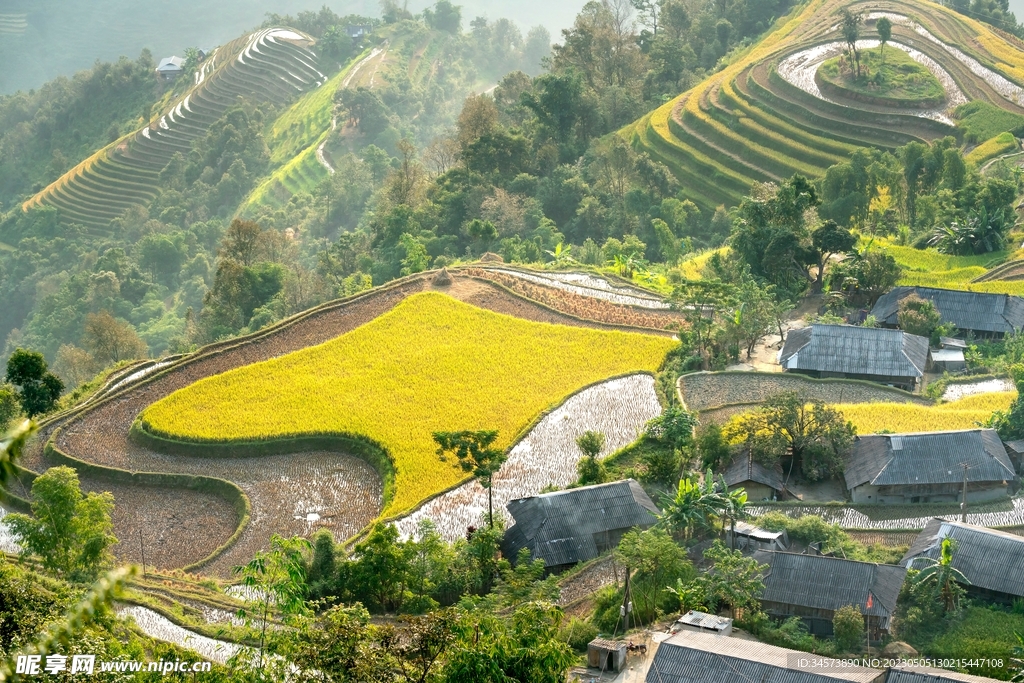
[(142, 550), (963, 504)]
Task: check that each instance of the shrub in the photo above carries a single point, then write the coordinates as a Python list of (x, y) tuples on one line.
[(577, 633), (848, 626)]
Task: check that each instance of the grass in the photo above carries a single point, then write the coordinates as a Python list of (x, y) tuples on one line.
[(893, 76), (430, 364), (982, 633), (983, 121), (1004, 143), (929, 268), (870, 418)]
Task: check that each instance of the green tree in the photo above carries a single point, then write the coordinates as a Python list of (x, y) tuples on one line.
[(848, 627), (444, 17), (703, 304), (816, 435), (713, 448), (10, 406), (590, 470), (322, 568), (276, 579), (111, 340), (522, 647), (674, 427), (945, 578), (849, 24), (381, 569), (476, 454), (828, 240), (71, 532), (733, 580), (11, 445), (918, 316), (693, 506), (884, 28), (38, 389), (656, 561)]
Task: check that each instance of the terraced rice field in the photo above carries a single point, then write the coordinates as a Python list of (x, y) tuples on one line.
[(548, 455), (982, 273), (159, 627), (763, 117), (181, 525), (431, 364), (275, 65), (962, 390), (891, 517), (965, 413)]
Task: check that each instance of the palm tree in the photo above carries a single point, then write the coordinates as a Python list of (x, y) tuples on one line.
[(693, 506), (944, 575), (734, 506)]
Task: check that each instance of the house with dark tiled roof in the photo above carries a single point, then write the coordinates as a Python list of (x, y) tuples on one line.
[(982, 313), (691, 657), (928, 467), (874, 354), (576, 525), (814, 587), (992, 560), (760, 482)]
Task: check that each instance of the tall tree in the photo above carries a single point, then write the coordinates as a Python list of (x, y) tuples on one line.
[(111, 340), (476, 454), (38, 388), (849, 24), (816, 435), (944, 576), (884, 28), (71, 532)]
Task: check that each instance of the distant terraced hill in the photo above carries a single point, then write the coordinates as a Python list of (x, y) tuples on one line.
[(764, 117), (274, 65)]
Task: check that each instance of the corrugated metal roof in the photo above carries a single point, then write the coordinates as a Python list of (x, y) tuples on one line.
[(829, 583), (855, 351), (978, 311), (990, 559), (560, 527), (924, 675), (948, 355), (927, 458), (712, 622), (694, 657), (744, 468), (757, 532)]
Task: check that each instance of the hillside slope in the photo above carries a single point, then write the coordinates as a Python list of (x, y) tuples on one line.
[(271, 65), (764, 117)]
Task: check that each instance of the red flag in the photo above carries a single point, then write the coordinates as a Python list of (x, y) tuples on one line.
[(871, 602)]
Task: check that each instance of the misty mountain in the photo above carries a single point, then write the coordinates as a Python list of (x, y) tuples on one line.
[(42, 39)]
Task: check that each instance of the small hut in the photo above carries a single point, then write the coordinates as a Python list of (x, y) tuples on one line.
[(760, 482), (606, 655), (751, 538)]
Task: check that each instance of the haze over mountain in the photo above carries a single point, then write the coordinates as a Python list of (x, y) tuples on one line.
[(49, 38)]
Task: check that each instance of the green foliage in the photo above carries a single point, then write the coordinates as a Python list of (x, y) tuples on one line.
[(983, 634), (577, 633), (674, 427), (848, 627), (11, 444), (732, 581), (713, 448), (38, 389), (71, 533), (590, 443), (1004, 143), (476, 454), (918, 316), (981, 120), (815, 434), (945, 578), (591, 471), (892, 76), (10, 406)]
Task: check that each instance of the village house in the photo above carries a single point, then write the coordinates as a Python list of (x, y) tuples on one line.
[(170, 67), (566, 527), (760, 482), (992, 560), (691, 657), (886, 356), (980, 313), (928, 467), (814, 587)]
